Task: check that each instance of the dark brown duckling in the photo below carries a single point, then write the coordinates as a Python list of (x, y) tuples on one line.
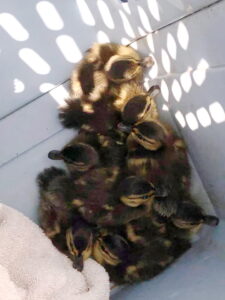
[(100, 116), (158, 155), (190, 217), (186, 221), (110, 249), (87, 194), (144, 263), (103, 66), (134, 102), (89, 150), (132, 199), (54, 213), (123, 68), (89, 78), (80, 240), (79, 157), (140, 108)]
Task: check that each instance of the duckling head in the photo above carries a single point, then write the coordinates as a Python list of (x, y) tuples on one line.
[(135, 191), (136, 108), (122, 68), (79, 242), (110, 249), (190, 216), (149, 134), (78, 157)]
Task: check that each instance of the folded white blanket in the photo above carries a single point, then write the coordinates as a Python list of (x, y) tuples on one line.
[(32, 269)]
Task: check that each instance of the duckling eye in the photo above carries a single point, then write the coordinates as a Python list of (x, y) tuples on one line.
[(193, 224), (145, 197), (139, 136), (102, 247)]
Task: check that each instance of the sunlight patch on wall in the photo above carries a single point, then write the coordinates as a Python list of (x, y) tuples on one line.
[(146, 83), (126, 7), (186, 81), (217, 112), (153, 73), (183, 35), (203, 117), (165, 61), (49, 15), (126, 24), (176, 90), (199, 75), (59, 94), (46, 87), (141, 31), (105, 14), (102, 37), (144, 19), (171, 46), (192, 121), (165, 107), (150, 42), (125, 41), (154, 9), (180, 118), (34, 61), (85, 13), (13, 27), (19, 86), (164, 90), (69, 48)]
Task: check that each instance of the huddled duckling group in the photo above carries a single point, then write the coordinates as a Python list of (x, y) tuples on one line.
[(124, 199)]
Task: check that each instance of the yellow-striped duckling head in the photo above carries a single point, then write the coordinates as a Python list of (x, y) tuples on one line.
[(122, 68), (190, 216), (110, 249), (139, 108), (79, 239), (135, 191), (149, 134), (78, 157)]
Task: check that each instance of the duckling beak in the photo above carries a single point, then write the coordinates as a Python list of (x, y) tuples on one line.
[(124, 128), (147, 62), (78, 263), (161, 192), (210, 220), (55, 155)]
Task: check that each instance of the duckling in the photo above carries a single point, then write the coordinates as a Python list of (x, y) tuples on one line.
[(90, 78), (143, 263), (90, 149), (100, 116), (54, 213), (110, 248), (158, 155), (141, 231), (124, 68), (104, 66), (79, 239), (186, 221), (132, 199), (134, 102), (79, 157), (87, 194), (141, 107), (190, 217)]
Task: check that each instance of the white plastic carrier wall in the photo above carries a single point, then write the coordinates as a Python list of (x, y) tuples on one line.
[(41, 41)]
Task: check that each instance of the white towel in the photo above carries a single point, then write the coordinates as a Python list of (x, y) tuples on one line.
[(31, 268)]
